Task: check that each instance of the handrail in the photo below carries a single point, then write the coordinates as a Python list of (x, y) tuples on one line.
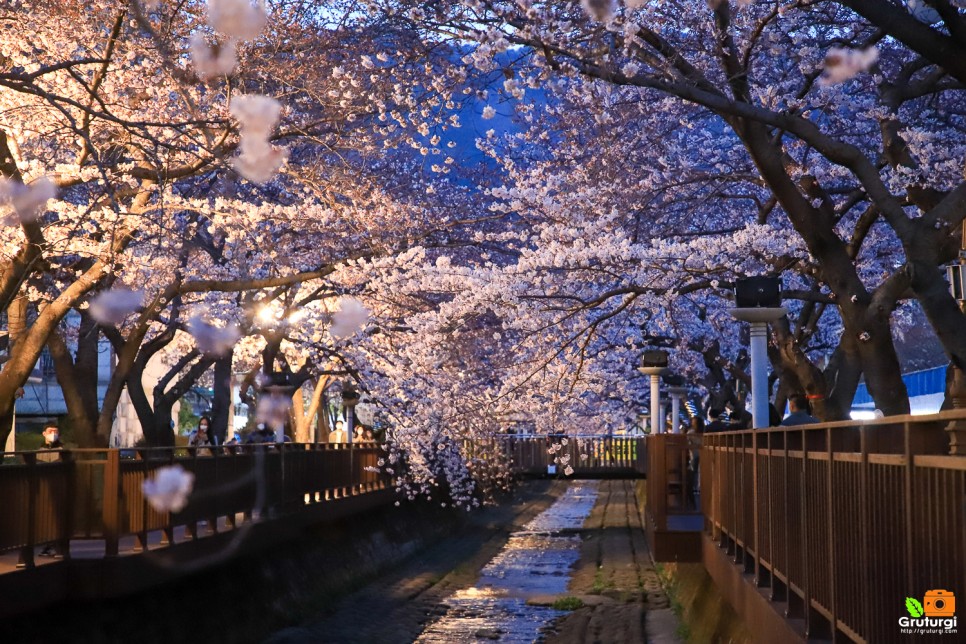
[(567, 455), (96, 493), (56, 496), (840, 522)]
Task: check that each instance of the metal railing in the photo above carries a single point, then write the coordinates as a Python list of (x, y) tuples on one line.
[(96, 494), (840, 522)]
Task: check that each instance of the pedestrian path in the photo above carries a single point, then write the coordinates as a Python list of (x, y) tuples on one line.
[(615, 579)]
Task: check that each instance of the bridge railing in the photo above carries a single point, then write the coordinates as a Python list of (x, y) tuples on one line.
[(840, 522), (587, 455), (96, 493), (672, 486)]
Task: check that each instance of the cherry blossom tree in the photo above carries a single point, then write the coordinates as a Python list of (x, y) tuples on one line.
[(140, 146), (848, 145)]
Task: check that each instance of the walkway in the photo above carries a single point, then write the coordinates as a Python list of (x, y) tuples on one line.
[(615, 578)]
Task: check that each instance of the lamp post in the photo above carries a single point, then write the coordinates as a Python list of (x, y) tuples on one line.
[(653, 364), (758, 301), (677, 391), (279, 387), (956, 273), (350, 398)]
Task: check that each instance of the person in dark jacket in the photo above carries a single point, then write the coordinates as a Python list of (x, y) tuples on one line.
[(262, 434), (716, 424), (798, 406), (51, 441)]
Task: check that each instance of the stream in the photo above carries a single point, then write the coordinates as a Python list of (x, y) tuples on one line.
[(535, 561)]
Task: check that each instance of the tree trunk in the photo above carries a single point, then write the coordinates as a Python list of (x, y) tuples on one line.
[(127, 353), (81, 422), (163, 433), (323, 426), (318, 390), (816, 225), (297, 417), (16, 328), (87, 365), (883, 374), (842, 375), (941, 309), (222, 402), (154, 434), (809, 377)]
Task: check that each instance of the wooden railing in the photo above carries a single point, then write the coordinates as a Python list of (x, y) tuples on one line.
[(840, 522), (588, 456), (96, 493), (672, 486)]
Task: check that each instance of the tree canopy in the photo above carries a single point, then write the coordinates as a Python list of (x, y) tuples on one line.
[(475, 211)]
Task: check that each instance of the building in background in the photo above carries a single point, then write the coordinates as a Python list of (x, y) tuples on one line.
[(43, 399)]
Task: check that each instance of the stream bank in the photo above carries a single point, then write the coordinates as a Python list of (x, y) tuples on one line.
[(249, 597), (398, 606)]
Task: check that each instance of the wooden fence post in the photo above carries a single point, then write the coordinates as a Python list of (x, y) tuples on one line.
[(112, 502)]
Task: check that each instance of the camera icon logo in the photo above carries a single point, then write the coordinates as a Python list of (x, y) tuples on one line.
[(939, 603)]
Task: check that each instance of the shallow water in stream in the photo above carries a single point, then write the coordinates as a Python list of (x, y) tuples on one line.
[(537, 560)]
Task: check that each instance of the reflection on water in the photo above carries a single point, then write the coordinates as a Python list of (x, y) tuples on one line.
[(535, 561)]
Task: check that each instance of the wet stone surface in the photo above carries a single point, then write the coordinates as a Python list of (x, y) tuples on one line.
[(536, 560)]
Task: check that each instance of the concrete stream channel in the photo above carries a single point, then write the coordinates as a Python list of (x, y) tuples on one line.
[(536, 561), (565, 566)]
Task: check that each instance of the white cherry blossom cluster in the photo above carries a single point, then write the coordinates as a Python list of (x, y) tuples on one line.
[(169, 488), (258, 115), (238, 20), (26, 202)]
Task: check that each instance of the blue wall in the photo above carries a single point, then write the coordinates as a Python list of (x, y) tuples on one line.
[(919, 383)]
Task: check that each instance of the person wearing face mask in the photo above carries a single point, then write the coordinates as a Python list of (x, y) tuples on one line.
[(200, 437), (51, 442)]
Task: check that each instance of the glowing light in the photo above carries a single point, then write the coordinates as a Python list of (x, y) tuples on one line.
[(268, 313)]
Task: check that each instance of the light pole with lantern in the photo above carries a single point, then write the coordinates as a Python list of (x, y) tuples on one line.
[(653, 364), (350, 398), (758, 301), (677, 391), (956, 273), (279, 387)]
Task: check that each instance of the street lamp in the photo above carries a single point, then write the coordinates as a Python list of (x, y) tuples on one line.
[(280, 389), (677, 391), (350, 398), (956, 273), (653, 364), (758, 301)]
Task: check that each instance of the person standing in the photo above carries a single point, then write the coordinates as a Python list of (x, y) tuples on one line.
[(695, 441), (338, 434), (262, 434), (798, 406), (204, 424), (51, 442), (200, 438), (716, 424)]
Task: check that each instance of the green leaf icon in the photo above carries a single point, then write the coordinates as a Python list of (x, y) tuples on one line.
[(914, 607)]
